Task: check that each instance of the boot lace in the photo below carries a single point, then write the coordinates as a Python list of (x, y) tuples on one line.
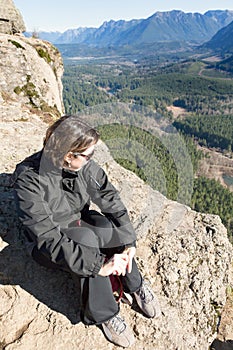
[(117, 324), (145, 292)]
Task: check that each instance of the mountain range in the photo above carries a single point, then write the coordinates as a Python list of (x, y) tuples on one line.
[(161, 26)]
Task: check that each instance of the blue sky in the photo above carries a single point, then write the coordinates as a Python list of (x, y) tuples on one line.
[(59, 15)]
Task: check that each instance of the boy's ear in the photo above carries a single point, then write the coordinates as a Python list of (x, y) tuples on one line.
[(68, 156)]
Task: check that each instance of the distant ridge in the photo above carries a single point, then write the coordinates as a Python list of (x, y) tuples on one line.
[(222, 41), (161, 26)]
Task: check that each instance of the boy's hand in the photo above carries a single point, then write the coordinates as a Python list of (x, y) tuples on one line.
[(116, 265)]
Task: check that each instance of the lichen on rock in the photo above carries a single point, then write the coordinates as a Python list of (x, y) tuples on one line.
[(29, 78)]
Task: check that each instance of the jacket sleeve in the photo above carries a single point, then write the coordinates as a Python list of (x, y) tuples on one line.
[(107, 198), (36, 217)]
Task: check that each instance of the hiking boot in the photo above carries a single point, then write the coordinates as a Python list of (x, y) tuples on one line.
[(147, 301), (117, 331)]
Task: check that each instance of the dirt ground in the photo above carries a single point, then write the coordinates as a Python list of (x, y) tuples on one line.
[(215, 165)]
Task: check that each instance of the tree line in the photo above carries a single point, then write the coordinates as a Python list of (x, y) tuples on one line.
[(143, 153), (87, 85), (211, 131)]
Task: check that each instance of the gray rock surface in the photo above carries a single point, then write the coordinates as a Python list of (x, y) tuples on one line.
[(30, 77), (185, 255), (11, 21)]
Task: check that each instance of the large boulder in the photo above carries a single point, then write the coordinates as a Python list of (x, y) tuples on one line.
[(11, 20), (31, 75), (185, 255)]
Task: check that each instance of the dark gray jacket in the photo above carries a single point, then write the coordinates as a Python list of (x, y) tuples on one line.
[(50, 199)]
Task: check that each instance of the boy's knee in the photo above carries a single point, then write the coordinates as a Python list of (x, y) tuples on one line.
[(83, 236)]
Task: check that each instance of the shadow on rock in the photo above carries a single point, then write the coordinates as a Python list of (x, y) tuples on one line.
[(219, 345), (54, 288)]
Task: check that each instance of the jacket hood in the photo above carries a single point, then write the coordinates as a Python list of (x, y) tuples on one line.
[(31, 162)]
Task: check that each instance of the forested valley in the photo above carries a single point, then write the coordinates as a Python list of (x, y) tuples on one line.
[(202, 92)]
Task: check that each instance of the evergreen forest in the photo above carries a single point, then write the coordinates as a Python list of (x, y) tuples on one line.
[(204, 92)]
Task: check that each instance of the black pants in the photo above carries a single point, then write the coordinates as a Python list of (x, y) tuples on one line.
[(97, 300)]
